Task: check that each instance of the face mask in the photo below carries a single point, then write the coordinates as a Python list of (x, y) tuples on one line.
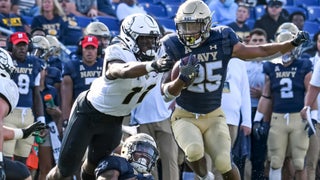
[(228, 3)]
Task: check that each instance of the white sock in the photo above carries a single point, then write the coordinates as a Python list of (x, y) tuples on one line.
[(275, 174)]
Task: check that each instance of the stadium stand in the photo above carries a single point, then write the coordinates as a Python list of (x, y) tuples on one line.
[(313, 13), (155, 10)]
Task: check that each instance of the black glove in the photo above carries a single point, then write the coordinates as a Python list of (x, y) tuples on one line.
[(2, 172), (162, 64), (260, 130), (308, 128), (36, 126), (189, 69), (300, 38)]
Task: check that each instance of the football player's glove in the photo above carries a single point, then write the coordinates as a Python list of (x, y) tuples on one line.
[(162, 64), (189, 69), (300, 38), (260, 130), (309, 129), (36, 126)]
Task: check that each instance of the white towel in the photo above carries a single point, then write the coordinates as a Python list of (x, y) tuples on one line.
[(55, 141)]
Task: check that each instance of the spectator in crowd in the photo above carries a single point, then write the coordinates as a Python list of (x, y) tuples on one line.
[(240, 26), (84, 8), (128, 7), (312, 157), (286, 83), (30, 106), (11, 21), (72, 32), (224, 11), (298, 18), (50, 19), (256, 81), (272, 19), (139, 155), (29, 8)]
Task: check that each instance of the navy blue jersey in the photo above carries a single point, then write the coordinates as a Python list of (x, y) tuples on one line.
[(55, 61), (287, 85), (53, 91), (204, 95), (126, 171), (72, 32), (53, 76), (52, 27), (12, 22), (25, 76), (81, 74)]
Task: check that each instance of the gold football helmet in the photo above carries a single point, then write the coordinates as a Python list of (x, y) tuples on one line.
[(193, 22)]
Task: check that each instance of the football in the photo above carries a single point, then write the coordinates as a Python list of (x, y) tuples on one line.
[(175, 71)]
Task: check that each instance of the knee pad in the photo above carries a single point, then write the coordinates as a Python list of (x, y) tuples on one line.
[(194, 152), (276, 163), (298, 164), (223, 162)]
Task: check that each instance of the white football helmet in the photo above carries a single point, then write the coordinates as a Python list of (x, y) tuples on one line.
[(6, 65), (97, 29), (285, 32), (193, 22), (40, 46), (141, 151), (140, 25), (54, 45)]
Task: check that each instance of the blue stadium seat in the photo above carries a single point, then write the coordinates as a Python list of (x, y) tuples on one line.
[(259, 11), (313, 13), (292, 9), (171, 10), (250, 23), (112, 22), (170, 2), (83, 21), (306, 2), (311, 27), (156, 10), (28, 19), (167, 23)]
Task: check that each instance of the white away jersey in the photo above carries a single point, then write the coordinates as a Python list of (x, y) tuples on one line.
[(118, 97), (9, 89)]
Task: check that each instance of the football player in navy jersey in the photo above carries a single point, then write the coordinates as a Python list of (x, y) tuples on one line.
[(78, 74), (131, 68), (139, 155), (30, 106), (198, 122), (286, 83)]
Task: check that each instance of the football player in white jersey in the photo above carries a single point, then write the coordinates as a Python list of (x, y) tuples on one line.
[(131, 67)]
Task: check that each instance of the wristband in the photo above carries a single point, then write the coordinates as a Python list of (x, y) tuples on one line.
[(149, 68), (267, 97), (1, 157), (314, 114), (18, 133), (258, 117), (41, 119)]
